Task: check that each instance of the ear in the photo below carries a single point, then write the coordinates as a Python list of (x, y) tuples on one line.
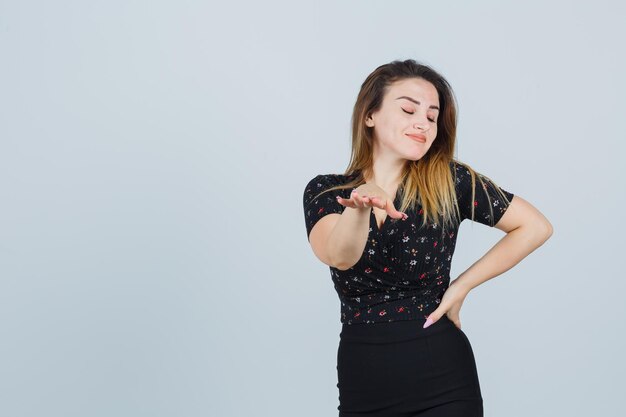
[(369, 122)]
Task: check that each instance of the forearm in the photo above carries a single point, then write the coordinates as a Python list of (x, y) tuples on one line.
[(510, 250), (348, 238)]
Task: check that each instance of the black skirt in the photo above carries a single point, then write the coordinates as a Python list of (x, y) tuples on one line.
[(400, 369)]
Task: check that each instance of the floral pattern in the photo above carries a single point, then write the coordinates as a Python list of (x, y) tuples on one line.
[(405, 268)]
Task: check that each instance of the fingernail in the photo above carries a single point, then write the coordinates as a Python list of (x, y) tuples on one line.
[(428, 323)]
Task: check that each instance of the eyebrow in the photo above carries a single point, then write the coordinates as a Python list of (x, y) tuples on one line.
[(416, 102)]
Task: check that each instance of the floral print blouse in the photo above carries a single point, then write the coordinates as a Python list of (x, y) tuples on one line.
[(405, 268)]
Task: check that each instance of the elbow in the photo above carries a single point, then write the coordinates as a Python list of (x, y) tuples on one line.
[(548, 230), (341, 260), (342, 266), (544, 232), (335, 263), (537, 231)]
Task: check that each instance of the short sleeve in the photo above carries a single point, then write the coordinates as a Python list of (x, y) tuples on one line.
[(487, 211), (317, 207)]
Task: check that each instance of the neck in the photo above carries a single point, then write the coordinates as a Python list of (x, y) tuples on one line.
[(386, 175)]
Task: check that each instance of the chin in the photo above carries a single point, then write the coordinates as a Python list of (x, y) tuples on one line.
[(414, 156)]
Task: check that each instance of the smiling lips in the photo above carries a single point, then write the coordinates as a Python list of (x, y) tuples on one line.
[(417, 137)]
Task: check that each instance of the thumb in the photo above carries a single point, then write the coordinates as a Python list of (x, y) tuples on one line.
[(432, 318)]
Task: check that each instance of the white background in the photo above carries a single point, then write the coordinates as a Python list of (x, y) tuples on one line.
[(153, 156)]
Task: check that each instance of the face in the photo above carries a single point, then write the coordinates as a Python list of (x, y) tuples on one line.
[(410, 108)]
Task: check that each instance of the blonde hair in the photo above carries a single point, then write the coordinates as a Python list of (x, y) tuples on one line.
[(429, 181)]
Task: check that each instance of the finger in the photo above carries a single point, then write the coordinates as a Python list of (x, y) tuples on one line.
[(432, 319), (365, 199), (358, 200), (378, 202), (348, 202), (391, 209)]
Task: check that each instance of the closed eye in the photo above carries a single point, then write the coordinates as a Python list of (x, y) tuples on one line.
[(432, 120)]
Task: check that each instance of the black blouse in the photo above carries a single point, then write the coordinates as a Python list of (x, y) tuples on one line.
[(405, 268)]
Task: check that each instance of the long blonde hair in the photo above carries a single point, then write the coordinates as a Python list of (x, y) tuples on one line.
[(429, 181)]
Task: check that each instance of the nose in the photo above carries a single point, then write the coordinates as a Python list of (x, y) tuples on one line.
[(419, 126), (422, 122)]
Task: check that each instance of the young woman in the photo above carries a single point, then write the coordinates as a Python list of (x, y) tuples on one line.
[(387, 229)]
